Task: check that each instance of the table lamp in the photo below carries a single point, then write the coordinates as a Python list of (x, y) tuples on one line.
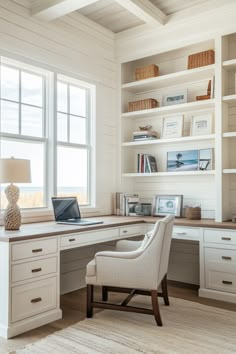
[(13, 171)]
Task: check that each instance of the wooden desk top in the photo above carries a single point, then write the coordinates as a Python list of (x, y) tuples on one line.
[(45, 229)]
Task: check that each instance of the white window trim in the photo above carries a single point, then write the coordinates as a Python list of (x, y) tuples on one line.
[(46, 214)]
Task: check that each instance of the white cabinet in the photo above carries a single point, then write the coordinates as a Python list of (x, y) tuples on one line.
[(218, 263)]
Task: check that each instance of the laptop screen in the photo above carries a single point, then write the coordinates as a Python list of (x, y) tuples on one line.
[(65, 208)]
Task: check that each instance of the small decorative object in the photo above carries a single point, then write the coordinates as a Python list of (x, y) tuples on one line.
[(167, 205), (205, 159), (178, 161), (146, 127), (201, 59), (172, 127), (146, 71), (193, 213), (148, 103), (175, 98), (13, 171), (201, 124)]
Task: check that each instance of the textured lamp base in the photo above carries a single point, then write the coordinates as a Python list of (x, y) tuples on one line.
[(12, 216)]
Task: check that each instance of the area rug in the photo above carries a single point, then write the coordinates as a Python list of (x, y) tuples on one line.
[(188, 327)]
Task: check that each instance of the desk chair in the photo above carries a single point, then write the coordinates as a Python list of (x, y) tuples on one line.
[(135, 267)]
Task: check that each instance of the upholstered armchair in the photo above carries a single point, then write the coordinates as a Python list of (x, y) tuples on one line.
[(135, 267)]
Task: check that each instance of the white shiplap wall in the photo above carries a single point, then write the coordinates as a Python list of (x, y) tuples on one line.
[(73, 45)]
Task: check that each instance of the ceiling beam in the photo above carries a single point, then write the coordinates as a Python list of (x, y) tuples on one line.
[(49, 10), (145, 10)]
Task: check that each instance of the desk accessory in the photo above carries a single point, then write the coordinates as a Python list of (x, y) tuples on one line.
[(13, 171)]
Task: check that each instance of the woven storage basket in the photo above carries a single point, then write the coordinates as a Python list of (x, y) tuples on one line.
[(201, 59), (142, 104), (146, 72), (192, 213)]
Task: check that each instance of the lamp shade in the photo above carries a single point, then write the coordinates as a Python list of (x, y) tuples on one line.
[(15, 170)]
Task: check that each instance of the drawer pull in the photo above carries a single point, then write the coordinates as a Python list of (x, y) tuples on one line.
[(36, 250), (226, 238), (227, 282), (125, 231), (181, 233), (36, 270), (227, 258), (37, 299), (71, 239)]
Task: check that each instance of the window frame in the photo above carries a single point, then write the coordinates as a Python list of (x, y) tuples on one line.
[(50, 134)]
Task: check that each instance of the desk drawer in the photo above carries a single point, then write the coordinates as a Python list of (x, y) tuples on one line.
[(132, 230), (226, 237), (34, 298), (220, 259), (30, 249), (86, 238), (221, 281), (186, 233), (33, 269)]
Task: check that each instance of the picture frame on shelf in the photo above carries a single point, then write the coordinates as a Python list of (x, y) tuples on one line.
[(178, 161), (167, 205), (205, 160), (201, 124), (172, 127), (177, 97)]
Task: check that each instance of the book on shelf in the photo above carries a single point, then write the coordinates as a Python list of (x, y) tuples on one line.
[(146, 163), (125, 203), (145, 134)]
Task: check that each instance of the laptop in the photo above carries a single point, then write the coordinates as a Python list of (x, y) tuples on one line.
[(66, 211)]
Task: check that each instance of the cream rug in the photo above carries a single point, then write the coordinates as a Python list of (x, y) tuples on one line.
[(188, 328)]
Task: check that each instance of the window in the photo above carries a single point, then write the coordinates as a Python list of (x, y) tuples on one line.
[(57, 142), (73, 152)]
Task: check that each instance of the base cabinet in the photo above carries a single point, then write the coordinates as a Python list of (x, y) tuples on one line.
[(218, 252)]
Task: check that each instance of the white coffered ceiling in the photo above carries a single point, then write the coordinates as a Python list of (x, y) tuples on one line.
[(120, 15)]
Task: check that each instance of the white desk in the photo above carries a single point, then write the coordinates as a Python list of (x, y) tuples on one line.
[(30, 263)]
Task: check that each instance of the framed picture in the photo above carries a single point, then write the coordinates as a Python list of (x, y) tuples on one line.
[(178, 161), (175, 98), (201, 124), (167, 205), (205, 161), (172, 127)]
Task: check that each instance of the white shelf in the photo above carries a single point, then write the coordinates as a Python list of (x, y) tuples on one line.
[(229, 99), (229, 135), (169, 141), (183, 107), (178, 78), (164, 174), (229, 170), (229, 65)]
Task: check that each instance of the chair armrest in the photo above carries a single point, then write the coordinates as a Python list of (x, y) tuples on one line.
[(114, 254), (127, 245)]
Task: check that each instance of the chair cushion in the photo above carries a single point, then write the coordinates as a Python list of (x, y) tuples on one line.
[(91, 269)]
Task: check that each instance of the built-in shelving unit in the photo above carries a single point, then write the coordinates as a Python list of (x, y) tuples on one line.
[(214, 189)]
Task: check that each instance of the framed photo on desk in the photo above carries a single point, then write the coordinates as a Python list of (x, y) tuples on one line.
[(167, 205)]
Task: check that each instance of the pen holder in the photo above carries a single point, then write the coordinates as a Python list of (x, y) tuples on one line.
[(193, 213)]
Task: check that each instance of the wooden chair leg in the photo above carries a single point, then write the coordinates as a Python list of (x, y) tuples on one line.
[(165, 291), (155, 307), (104, 293), (89, 301)]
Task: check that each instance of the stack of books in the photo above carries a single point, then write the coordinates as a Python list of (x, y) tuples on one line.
[(145, 135), (146, 163)]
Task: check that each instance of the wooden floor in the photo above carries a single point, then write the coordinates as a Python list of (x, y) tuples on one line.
[(73, 307)]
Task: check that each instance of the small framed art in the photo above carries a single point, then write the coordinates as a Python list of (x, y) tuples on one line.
[(175, 98), (172, 127), (201, 124), (167, 205)]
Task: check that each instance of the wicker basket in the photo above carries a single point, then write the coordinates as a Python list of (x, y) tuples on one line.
[(146, 72), (193, 213), (201, 59), (148, 103)]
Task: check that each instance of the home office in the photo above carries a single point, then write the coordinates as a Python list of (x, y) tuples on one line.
[(74, 89)]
